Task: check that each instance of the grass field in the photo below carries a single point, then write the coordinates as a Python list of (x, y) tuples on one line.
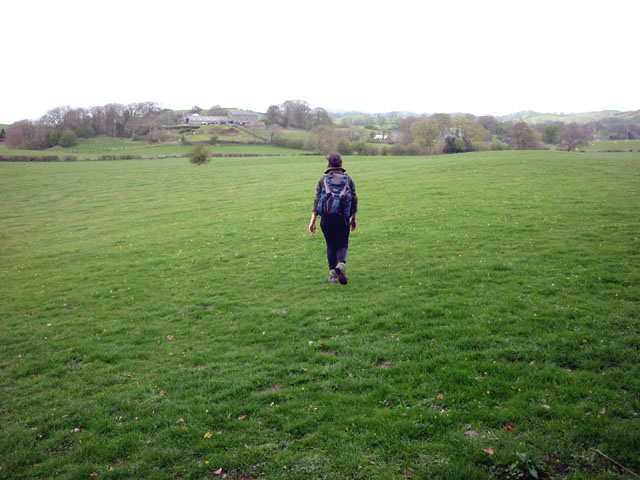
[(161, 320), (611, 145), (95, 147)]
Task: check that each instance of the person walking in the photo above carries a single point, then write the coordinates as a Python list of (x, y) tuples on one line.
[(337, 203)]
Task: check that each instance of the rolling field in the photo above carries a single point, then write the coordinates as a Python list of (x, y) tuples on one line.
[(611, 145), (95, 147), (161, 320)]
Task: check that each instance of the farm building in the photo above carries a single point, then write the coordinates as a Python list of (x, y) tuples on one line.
[(238, 118)]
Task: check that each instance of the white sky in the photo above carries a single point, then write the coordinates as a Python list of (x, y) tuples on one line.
[(476, 56)]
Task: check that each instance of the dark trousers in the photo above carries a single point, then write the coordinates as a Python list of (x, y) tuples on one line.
[(336, 232)]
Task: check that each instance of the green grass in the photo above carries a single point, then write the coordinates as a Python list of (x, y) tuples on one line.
[(93, 148), (611, 145), (583, 117), (161, 320)]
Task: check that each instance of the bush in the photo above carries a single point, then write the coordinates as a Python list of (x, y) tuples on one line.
[(371, 150), (413, 149), (344, 146), (498, 145), (199, 155), (85, 131), (384, 150), (184, 141), (214, 139), (67, 139), (455, 145), (398, 149)]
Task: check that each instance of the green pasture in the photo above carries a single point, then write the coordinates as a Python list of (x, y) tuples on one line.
[(95, 147), (226, 133), (162, 320), (611, 145)]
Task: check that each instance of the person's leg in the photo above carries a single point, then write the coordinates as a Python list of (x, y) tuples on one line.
[(329, 231), (342, 240), (342, 247)]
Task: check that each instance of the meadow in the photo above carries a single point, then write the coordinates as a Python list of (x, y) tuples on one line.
[(611, 145), (96, 147), (162, 320)]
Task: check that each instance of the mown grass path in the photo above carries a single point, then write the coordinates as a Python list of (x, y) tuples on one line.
[(161, 320)]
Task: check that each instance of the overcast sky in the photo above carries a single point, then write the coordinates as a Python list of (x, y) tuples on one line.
[(481, 57)]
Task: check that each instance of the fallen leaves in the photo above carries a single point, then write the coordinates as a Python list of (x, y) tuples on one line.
[(471, 433), (208, 435), (218, 472), (242, 417), (169, 337), (489, 451), (94, 475)]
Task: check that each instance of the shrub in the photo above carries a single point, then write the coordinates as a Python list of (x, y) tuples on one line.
[(370, 150), (199, 155), (454, 145), (398, 149), (184, 141), (344, 146), (67, 139), (214, 139), (85, 131), (498, 145), (413, 149), (384, 150)]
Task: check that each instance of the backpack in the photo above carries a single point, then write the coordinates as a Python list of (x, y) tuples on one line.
[(335, 197)]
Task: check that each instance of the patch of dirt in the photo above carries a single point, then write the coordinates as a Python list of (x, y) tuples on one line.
[(275, 388), (331, 352), (230, 131)]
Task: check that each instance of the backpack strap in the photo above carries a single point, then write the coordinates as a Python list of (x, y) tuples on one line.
[(346, 186), (326, 184)]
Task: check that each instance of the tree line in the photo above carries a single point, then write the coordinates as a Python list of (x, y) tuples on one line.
[(64, 125), (365, 135)]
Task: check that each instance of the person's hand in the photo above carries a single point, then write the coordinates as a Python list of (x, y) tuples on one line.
[(312, 228), (353, 224)]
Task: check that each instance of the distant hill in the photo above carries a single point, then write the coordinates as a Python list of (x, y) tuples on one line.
[(585, 117)]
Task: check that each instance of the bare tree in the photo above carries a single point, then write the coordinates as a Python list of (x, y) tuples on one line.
[(297, 114), (523, 137), (274, 115), (575, 135)]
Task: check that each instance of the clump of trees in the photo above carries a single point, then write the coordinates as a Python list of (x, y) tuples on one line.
[(199, 155), (297, 114), (64, 125)]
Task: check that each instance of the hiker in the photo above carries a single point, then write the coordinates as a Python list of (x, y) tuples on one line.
[(337, 203)]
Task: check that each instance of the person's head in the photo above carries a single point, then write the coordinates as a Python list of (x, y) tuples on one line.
[(334, 160)]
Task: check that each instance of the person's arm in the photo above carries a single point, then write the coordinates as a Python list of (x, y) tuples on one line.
[(312, 224), (314, 214), (354, 205)]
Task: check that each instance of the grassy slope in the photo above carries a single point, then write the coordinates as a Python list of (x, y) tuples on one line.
[(611, 145), (488, 292), (103, 145)]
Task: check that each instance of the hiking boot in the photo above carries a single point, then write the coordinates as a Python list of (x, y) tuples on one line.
[(333, 276), (342, 273)]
